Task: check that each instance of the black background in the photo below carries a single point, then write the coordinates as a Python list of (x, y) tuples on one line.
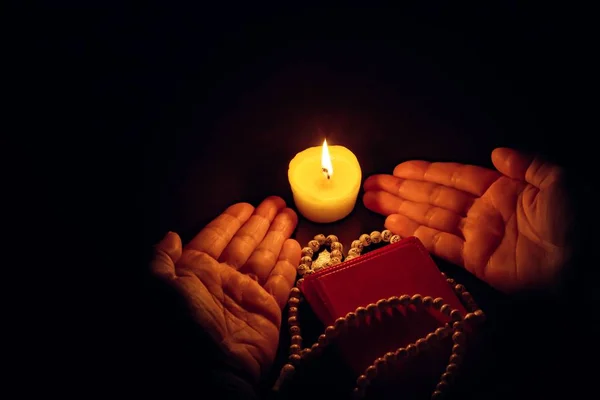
[(159, 117)]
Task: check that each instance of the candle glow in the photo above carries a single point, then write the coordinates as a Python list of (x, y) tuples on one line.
[(326, 161)]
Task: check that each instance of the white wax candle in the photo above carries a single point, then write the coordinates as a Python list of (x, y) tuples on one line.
[(325, 182)]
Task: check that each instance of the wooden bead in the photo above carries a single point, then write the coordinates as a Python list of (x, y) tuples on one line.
[(307, 252), (372, 309), (293, 301), (395, 238), (447, 377), (306, 260), (432, 338), (299, 282), (295, 292), (470, 317), (337, 246), (361, 313), (438, 302), (362, 381), (458, 326), (371, 372), (459, 338), (380, 365), (292, 311), (305, 353), (455, 315), (323, 340), (287, 370), (458, 349), (330, 332), (390, 357), (436, 395), (295, 349), (353, 252), (421, 344), (293, 321), (351, 318), (417, 300), (394, 301), (294, 359), (459, 288), (294, 330), (446, 309), (314, 245), (296, 339), (336, 253), (382, 305), (386, 235), (331, 239), (375, 237), (427, 301), (455, 358), (441, 332), (452, 368), (365, 239), (320, 238), (404, 300), (302, 268), (412, 350), (451, 281), (442, 386), (401, 355), (340, 323), (357, 244)]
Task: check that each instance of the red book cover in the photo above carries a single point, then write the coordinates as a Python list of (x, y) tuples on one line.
[(404, 267)]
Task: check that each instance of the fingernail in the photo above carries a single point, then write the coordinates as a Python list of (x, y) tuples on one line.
[(391, 219)]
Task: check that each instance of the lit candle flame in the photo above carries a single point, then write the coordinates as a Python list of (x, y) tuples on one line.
[(326, 161)]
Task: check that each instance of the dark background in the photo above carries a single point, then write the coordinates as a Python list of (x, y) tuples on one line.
[(166, 116)]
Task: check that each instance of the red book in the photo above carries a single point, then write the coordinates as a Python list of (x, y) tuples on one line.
[(404, 267)]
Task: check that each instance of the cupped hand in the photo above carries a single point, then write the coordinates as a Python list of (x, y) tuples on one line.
[(508, 227), (235, 276)]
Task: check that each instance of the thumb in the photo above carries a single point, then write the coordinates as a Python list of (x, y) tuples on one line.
[(524, 167), (167, 253)]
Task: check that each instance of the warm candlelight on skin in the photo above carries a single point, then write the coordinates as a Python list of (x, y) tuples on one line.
[(325, 197)]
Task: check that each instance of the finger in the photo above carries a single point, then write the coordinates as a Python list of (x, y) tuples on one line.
[(517, 165), (217, 234), (264, 258), (469, 178), (282, 277), (444, 245), (246, 239), (424, 214), (422, 192), (167, 253)]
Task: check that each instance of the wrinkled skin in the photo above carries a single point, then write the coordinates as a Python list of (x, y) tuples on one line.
[(508, 226), (235, 276)]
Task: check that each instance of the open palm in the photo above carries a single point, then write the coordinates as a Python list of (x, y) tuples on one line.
[(235, 276), (508, 227)]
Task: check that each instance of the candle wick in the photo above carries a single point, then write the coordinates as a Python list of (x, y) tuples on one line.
[(326, 172)]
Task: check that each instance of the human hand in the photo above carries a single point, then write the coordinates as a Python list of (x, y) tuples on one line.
[(508, 227), (235, 276)]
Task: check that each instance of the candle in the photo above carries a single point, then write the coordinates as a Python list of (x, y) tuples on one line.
[(325, 182)]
